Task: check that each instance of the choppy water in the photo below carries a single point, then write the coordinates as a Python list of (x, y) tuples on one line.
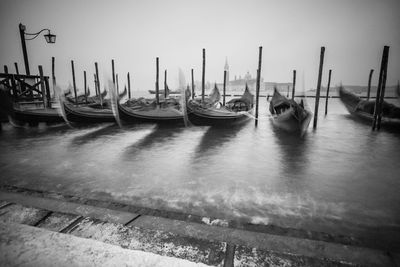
[(340, 175)]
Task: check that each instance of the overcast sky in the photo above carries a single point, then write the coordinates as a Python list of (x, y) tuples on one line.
[(135, 32)]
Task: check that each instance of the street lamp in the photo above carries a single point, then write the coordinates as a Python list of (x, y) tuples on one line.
[(50, 38)]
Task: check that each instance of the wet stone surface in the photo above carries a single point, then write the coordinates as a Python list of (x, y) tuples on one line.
[(57, 221), (162, 243), (245, 256), (16, 213)]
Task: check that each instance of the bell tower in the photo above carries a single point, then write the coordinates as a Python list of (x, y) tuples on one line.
[(227, 70)]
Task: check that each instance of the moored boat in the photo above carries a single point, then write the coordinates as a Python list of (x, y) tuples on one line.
[(289, 115), (142, 110), (364, 109), (212, 113), (86, 114)]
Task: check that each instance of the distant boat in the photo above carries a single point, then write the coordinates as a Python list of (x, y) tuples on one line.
[(289, 115), (211, 112), (364, 109), (161, 92)]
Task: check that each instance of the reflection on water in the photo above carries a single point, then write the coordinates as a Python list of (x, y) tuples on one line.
[(293, 152), (342, 173), (215, 137)]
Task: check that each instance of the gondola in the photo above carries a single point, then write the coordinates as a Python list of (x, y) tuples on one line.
[(364, 109), (212, 113), (289, 115), (88, 113), (147, 111)]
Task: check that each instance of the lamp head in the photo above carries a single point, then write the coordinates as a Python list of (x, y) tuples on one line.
[(50, 38)]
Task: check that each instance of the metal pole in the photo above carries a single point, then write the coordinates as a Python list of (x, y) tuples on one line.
[(24, 52)]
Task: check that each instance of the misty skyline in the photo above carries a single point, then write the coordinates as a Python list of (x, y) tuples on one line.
[(134, 33)]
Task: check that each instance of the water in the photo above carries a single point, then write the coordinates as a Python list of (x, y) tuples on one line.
[(336, 178)]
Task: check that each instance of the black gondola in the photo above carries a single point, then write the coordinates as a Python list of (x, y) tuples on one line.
[(212, 113), (289, 115)]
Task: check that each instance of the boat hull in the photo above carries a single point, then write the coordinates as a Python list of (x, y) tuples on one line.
[(354, 106), (288, 121), (142, 116), (289, 115), (205, 118), (48, 115), (86, 114)]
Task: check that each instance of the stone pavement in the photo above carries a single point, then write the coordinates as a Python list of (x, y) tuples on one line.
[(60, 223)]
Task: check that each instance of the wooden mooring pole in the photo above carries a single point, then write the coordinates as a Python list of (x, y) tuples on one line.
[(85, 85), (98, 82), (327, 92), (321, 63), (53, 74), (203, 77), (258, 83), (129, 86), (294, 84), (224, 92), (16, 68), (369, 83), (378, 91), (113, 71), (116, 79), (157, 88), (42, 86), (380, 95), (192, 85), (165, 85), (95, 84), (73, 81)]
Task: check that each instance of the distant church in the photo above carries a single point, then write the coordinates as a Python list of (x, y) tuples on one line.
[(239, 83)]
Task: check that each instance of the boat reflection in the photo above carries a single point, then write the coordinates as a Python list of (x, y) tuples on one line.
[(216, 137), (293, 152), (106, 130), (160, 135)]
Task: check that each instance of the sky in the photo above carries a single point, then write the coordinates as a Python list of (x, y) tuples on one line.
[(135, 32)]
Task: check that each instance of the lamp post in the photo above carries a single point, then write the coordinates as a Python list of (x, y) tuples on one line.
[(50, 38)]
